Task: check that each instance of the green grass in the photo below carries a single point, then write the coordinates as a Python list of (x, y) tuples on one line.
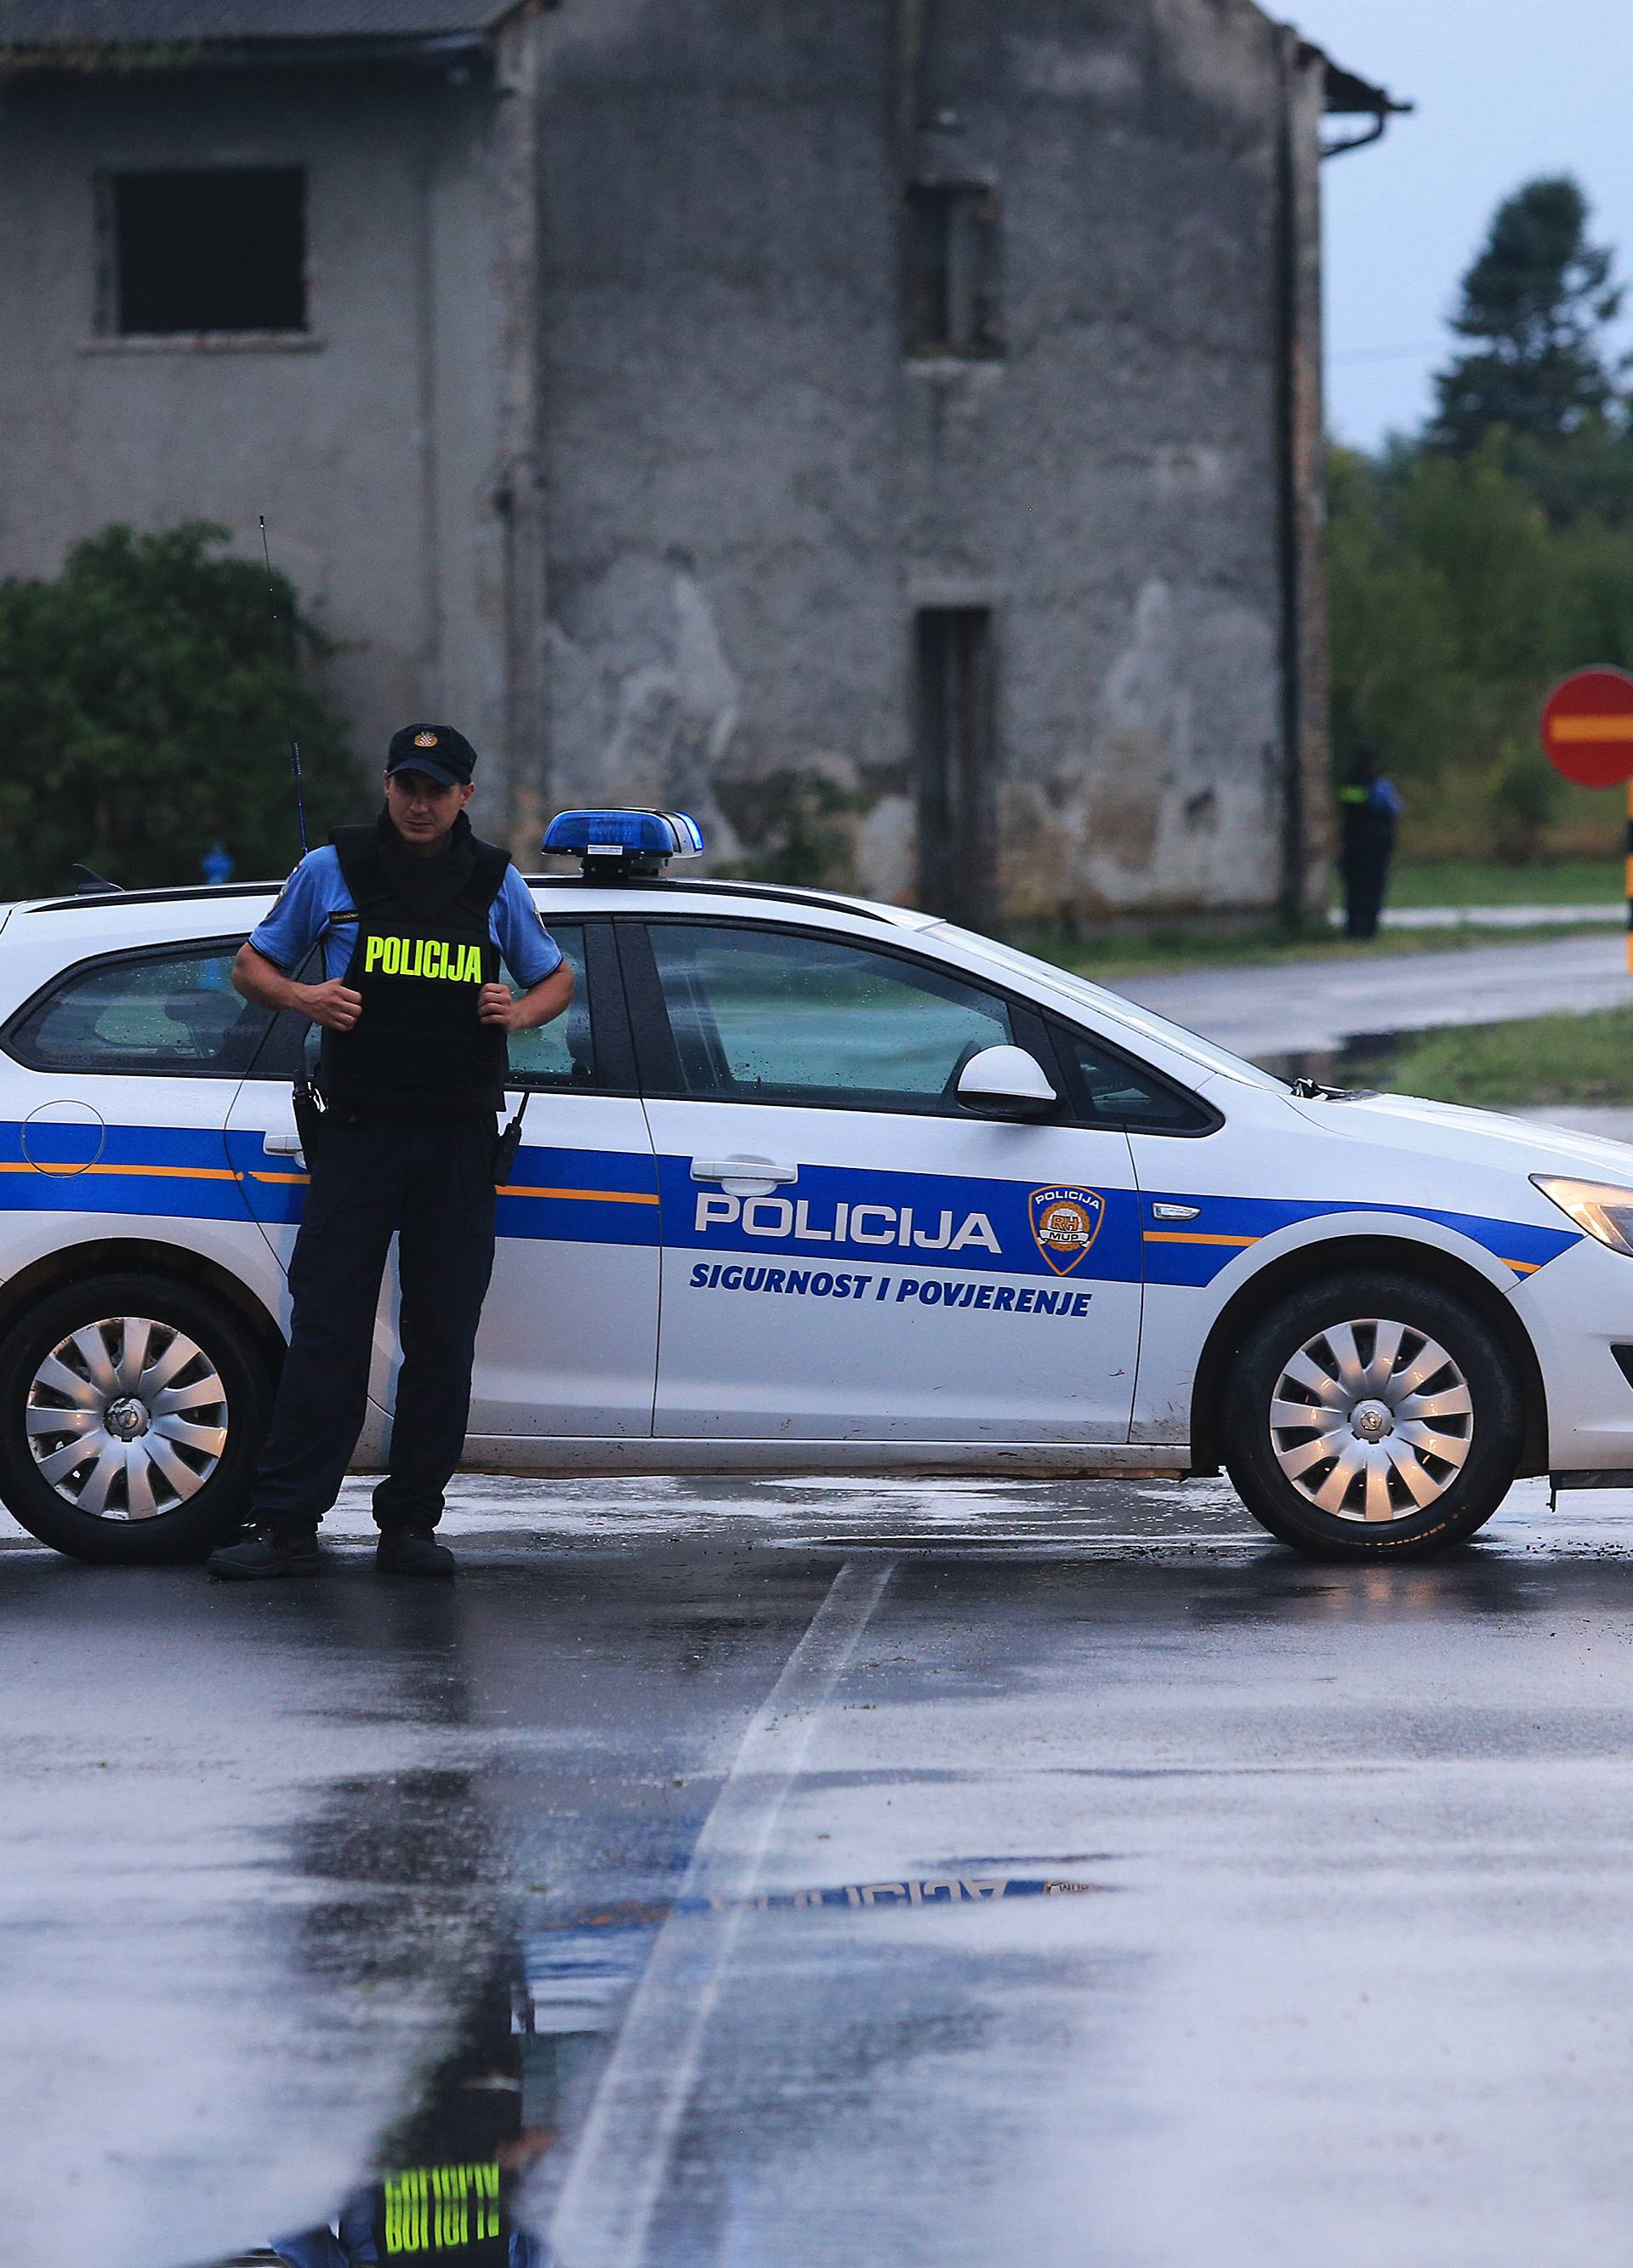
[(1567, 882), (1163, 951), (1538, 1059)]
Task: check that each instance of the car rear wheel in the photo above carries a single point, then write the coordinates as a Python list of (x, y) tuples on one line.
[(1373, 1416), (131, 1409)]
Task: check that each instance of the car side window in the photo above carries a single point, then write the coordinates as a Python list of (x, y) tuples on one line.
[(170, 1014), (774, 1016), (1123, 1094), (562, 1053)]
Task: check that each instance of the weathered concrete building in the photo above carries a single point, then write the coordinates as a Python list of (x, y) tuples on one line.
[(890, 430)]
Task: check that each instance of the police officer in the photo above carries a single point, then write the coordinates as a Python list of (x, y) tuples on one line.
[(1369, 806), (413, 915)]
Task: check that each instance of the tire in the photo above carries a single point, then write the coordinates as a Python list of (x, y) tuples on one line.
[(161, 1476), (1425, 1475)]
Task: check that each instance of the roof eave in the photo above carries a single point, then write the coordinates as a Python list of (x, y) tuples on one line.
[(126, 57), (1347, 94)]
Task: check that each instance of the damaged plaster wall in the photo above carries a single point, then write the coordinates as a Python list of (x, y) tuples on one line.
[(752, 488), (1143, 816), (607, 443), (719, 342), (644, 703), (1113, 481)]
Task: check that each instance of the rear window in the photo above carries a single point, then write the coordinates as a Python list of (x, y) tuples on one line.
[(166, 1014), (561, 1053)]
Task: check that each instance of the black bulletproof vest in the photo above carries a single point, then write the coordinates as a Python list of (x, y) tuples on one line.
[(443, 2217), (424, 951)]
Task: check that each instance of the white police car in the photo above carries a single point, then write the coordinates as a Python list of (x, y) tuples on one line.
[(809, 1184)]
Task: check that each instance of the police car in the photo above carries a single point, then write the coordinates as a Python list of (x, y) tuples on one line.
[(807, 1184)]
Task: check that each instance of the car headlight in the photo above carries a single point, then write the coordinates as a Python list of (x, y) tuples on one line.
[(1600, 1207)]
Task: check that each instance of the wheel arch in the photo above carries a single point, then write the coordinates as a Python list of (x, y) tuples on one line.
[(1311, 1262), (74, 1263)]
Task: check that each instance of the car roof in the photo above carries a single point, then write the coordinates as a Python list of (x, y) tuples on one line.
[(120, 921), (98, 912)]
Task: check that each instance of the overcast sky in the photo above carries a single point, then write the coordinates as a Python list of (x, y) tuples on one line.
[(1505, 90)]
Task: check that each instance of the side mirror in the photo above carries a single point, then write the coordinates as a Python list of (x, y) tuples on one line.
[(1005, 1082)]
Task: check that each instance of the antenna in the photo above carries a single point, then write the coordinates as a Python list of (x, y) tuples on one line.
[(294, 746)]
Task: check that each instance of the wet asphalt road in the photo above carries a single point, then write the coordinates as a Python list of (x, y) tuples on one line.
[(862, 1872), (1313, 1008)]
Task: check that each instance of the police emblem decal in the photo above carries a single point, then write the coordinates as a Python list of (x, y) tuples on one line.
[(425, 740), (1064, 1224)]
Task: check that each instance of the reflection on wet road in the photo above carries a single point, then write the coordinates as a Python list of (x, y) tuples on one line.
[(815, 1873)]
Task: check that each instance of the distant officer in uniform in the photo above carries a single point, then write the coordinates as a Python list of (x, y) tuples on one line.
[(1369, 806), (414, 915)]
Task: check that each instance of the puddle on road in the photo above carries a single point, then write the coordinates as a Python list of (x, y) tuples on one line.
[(447, 2174), (462, 2178), (417, 1877)]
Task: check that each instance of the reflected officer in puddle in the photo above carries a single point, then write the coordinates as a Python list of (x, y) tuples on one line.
[(413, 916), (445, 2198), (454, 2215)]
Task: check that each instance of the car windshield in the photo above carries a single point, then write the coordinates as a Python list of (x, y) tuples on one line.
[(1123, 1013)]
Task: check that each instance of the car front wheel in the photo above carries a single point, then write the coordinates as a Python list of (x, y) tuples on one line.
[(1373, 1416), (131, 1411)]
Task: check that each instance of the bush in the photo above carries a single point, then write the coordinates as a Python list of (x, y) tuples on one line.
[(147, 701), (1525, 792), (1456, 603), (803, 825)]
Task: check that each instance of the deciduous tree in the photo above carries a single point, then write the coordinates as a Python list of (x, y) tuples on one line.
[(147, 701)]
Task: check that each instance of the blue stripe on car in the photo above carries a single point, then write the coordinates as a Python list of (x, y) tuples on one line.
[(611, 1196)]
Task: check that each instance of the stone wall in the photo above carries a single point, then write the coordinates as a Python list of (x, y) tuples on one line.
[(751, 487), (605, 444)]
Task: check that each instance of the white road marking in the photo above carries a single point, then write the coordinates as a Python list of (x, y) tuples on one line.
[(619, 2168), (1072, 1540)]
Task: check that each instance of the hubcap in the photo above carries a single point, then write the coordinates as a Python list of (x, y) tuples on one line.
[(1371, 1420), (127, 1418)]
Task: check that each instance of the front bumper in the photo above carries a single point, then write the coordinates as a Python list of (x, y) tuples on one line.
[(1577, 1310)]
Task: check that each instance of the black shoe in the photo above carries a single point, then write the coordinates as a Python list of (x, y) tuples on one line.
[(412, 1551), (266, 1551)]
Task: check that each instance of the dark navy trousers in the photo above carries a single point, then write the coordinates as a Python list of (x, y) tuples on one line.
[(1366, 877), (430, 1182)]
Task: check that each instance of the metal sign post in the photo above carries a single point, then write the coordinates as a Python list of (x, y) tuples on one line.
[(1587, 736)]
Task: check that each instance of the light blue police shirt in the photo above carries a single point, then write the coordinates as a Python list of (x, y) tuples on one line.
[(317, 889)]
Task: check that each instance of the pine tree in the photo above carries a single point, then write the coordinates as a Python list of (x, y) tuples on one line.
[(1537, 300)]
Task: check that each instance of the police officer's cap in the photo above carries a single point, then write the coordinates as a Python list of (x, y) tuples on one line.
[(437, 750)]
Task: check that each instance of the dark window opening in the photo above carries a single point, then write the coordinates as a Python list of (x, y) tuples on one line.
[(218, 251), (952, 269), (955, 732)]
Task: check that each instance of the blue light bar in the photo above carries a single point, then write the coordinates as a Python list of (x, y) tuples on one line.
[(623, 842)]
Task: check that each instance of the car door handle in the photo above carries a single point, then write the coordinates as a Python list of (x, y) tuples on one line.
[(282, 1145), (741, 1169)]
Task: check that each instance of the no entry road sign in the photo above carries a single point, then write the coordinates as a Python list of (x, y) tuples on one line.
[(1587, 733), (1587, 727)]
